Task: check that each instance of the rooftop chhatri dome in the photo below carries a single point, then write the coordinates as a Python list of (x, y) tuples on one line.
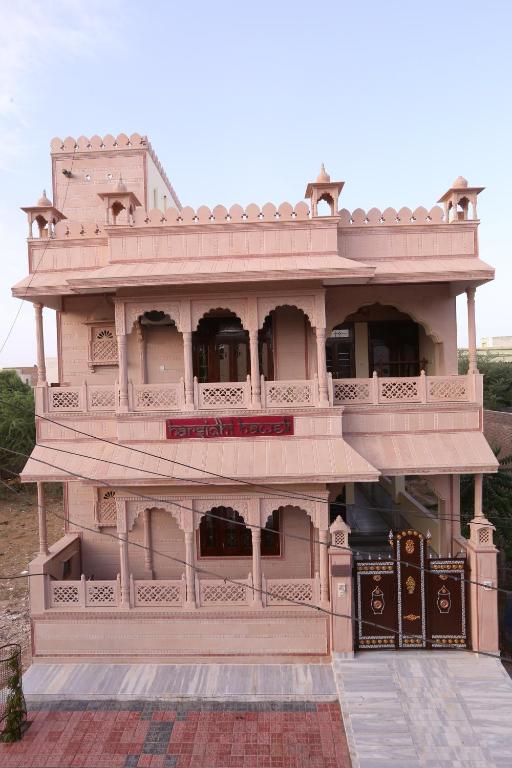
[(323, 176), (43, 201), (460, 182)]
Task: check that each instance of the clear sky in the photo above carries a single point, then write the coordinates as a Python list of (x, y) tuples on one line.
[(243, 101)]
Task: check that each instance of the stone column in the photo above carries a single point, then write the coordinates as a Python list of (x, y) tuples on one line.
[(148, 554), (122, 345), (340, 560), (141, 338), (479, 480), (189, 370), (189, 568), (470, 293), (41, 365), (124, 558), (256, 566), (321, 367), (255, 369), (41, 519), (324, 538)]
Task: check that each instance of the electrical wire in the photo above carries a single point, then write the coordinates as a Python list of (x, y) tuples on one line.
[(261, 591), (167, 501)]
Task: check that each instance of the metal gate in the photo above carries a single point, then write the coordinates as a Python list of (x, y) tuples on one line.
[(411, 600)]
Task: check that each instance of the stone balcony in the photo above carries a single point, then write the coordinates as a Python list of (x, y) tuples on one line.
[(230, 396)]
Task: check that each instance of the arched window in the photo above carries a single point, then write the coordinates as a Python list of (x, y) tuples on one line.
[(221, 535)]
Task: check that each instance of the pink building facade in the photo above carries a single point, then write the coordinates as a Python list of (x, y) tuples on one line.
[(230, 382)]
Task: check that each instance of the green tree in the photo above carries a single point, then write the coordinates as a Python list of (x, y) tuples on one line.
[(17, 424), (497, 380)]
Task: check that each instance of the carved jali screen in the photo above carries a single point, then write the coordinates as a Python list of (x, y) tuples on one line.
[(411, 600)]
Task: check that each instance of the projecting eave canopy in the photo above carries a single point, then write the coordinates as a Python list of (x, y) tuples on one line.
[(271, 460)]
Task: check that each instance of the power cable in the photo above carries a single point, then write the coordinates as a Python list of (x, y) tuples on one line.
[(270, 489), (225, 579), (167, 501)]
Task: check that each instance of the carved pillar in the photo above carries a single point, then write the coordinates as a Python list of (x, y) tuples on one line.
[(483, 562), (321, 366), (478, 495), (470, 293), (41, 365), (148, 553), (124, 557), (189, 568), (189, 370), (41, 519), (340, 559), (122, 345), (324, 564), (255, 369), (141, 340), (256, 566)]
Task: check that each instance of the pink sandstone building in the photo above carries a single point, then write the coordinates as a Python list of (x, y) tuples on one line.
[(238, 389)]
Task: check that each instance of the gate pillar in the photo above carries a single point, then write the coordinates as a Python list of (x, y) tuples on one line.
[(483, 556), (340, 570)]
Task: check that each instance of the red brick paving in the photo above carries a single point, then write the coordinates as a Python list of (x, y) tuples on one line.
[(192, 735)]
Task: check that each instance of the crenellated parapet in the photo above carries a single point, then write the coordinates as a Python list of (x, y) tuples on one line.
[(391, 217)]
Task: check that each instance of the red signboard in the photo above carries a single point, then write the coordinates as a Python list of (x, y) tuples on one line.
[(229, 426)]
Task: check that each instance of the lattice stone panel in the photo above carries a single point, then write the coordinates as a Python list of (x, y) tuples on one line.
[(102, 398), (104, 346), (451, 390), (352, 391), (64, 399), (158, 594), (339, 538), (484, 536), (65, 594), (288, 394), (148, 399), (223, 593), (101, 593), (399, 390), (281, 593), (220, 396), (107, 511)]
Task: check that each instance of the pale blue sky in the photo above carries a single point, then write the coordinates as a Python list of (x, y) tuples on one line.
[(242, 101)]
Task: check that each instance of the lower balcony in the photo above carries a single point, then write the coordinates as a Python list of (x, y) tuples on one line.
[(244, 395)]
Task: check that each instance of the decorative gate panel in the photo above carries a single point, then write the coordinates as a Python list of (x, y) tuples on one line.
[(411, 601), (446, 603), (410, 552), (376, 604)]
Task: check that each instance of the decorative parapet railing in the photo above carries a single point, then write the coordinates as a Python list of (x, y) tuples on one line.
[(84, 398), (407, 389), (158, 593), (157, 397), (214, 592), (281, 394), (375, 217), (223, 394), (290, 591), (81, 594)]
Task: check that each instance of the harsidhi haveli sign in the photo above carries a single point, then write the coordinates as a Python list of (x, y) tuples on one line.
[(229, 426)]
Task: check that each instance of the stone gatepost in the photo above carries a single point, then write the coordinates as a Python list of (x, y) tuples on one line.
[(340, 569), (483, 575)]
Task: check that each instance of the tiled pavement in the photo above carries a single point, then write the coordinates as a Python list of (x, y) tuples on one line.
[(115, 734), (426, 709)]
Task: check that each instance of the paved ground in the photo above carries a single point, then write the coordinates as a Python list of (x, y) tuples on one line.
[(251, 682), (115, 734), (424, 709)]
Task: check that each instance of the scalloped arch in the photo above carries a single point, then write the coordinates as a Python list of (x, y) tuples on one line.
[(134, 311), (134, 510), (395, 305), (235, 306), (305, 304)]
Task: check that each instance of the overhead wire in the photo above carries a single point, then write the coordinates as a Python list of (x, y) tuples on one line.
[(260, 590), (190, 509)]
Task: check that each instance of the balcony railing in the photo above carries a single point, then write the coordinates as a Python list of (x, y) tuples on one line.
[(274, 394), (413, 389)]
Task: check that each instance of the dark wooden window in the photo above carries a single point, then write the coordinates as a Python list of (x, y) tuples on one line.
[(221, 350), (339, 352), (394, 349), (222, 536)]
